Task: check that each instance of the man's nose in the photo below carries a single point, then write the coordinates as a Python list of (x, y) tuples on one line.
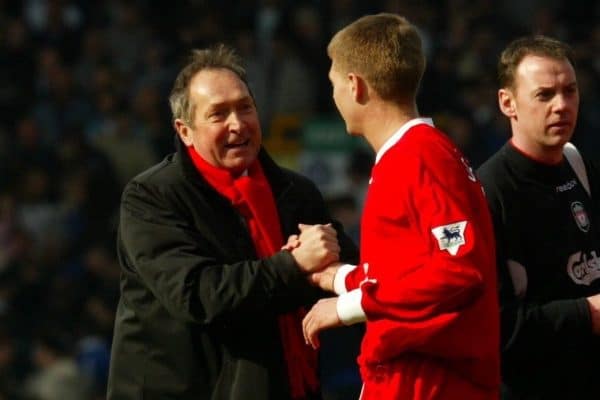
[(561, 102), (234, 122)]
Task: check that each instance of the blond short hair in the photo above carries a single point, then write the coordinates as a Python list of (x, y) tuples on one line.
[(386, 50)]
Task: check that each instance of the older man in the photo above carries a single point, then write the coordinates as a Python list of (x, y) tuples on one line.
[(211, 306)]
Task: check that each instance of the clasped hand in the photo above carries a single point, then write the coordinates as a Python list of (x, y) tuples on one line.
[(314, 248), (316, 251)]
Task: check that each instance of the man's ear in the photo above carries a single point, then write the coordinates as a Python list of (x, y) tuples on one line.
[(358, 87), (184, 131), (506, 102)]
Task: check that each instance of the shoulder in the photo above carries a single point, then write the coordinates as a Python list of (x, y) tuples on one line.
[(159, 173), (496, 178), (428, 149), (495, 169), (424, 135), (155, 180), (433, 145), (425, 160)]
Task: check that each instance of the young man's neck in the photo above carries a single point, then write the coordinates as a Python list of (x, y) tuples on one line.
[(383, 121)]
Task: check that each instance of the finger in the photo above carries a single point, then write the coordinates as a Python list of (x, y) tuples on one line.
[(337, 249), (327, 237), (304, 227), (305, 323), (329, 229), (313, 336), (290, 245), (333, 255), (307, 334), (309, 326), (293, 242), (330, 236), (332, 245)]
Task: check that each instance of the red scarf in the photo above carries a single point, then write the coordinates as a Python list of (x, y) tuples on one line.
[(252, 197)]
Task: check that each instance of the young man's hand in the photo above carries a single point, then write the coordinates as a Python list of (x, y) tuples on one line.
[(323, 315)]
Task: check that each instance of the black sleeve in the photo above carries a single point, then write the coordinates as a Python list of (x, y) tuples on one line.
[(177, 266), (313, 210), (533, 330)]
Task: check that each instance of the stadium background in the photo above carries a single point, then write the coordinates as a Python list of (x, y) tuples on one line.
[(83, 105)]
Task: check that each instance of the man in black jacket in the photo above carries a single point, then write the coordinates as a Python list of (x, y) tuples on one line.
[(211, 296), (547, 230)]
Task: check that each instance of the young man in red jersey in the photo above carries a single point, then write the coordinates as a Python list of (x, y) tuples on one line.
[(426, 283)]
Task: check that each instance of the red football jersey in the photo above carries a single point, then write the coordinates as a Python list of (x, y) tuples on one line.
[(427, 278)]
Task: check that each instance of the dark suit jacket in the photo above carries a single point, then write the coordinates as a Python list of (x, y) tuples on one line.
[(197, 317)]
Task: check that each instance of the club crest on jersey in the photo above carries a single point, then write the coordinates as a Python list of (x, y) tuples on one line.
[(581, 217), (450, 237)]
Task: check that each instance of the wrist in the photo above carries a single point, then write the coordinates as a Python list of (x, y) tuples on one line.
[(339, 278)]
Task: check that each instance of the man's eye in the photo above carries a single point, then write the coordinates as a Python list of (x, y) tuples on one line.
[(571, 90), (246, 107), (216, 115), (544, 95)]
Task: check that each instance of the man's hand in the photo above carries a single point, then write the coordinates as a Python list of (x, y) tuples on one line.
[(325, 278), (318, 247), (323, 315), (594, 305)]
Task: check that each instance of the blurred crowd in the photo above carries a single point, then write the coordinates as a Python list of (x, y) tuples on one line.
[(83, 100)]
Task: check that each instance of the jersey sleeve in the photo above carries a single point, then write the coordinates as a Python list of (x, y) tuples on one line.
[(353, 278)]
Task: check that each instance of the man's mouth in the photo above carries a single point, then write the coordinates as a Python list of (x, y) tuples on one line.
[(560, 124), (237, 145)]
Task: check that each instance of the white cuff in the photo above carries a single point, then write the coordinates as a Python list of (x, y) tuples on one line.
[(339, 280), (349, 308)]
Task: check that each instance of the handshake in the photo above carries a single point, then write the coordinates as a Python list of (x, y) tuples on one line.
[(316, 251)]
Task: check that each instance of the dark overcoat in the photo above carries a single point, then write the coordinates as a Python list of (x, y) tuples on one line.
[(197, 316)]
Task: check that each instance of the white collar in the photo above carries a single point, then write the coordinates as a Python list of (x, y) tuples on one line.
[(399, 133)]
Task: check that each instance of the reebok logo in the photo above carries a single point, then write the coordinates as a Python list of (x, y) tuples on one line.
[(566, 186)]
